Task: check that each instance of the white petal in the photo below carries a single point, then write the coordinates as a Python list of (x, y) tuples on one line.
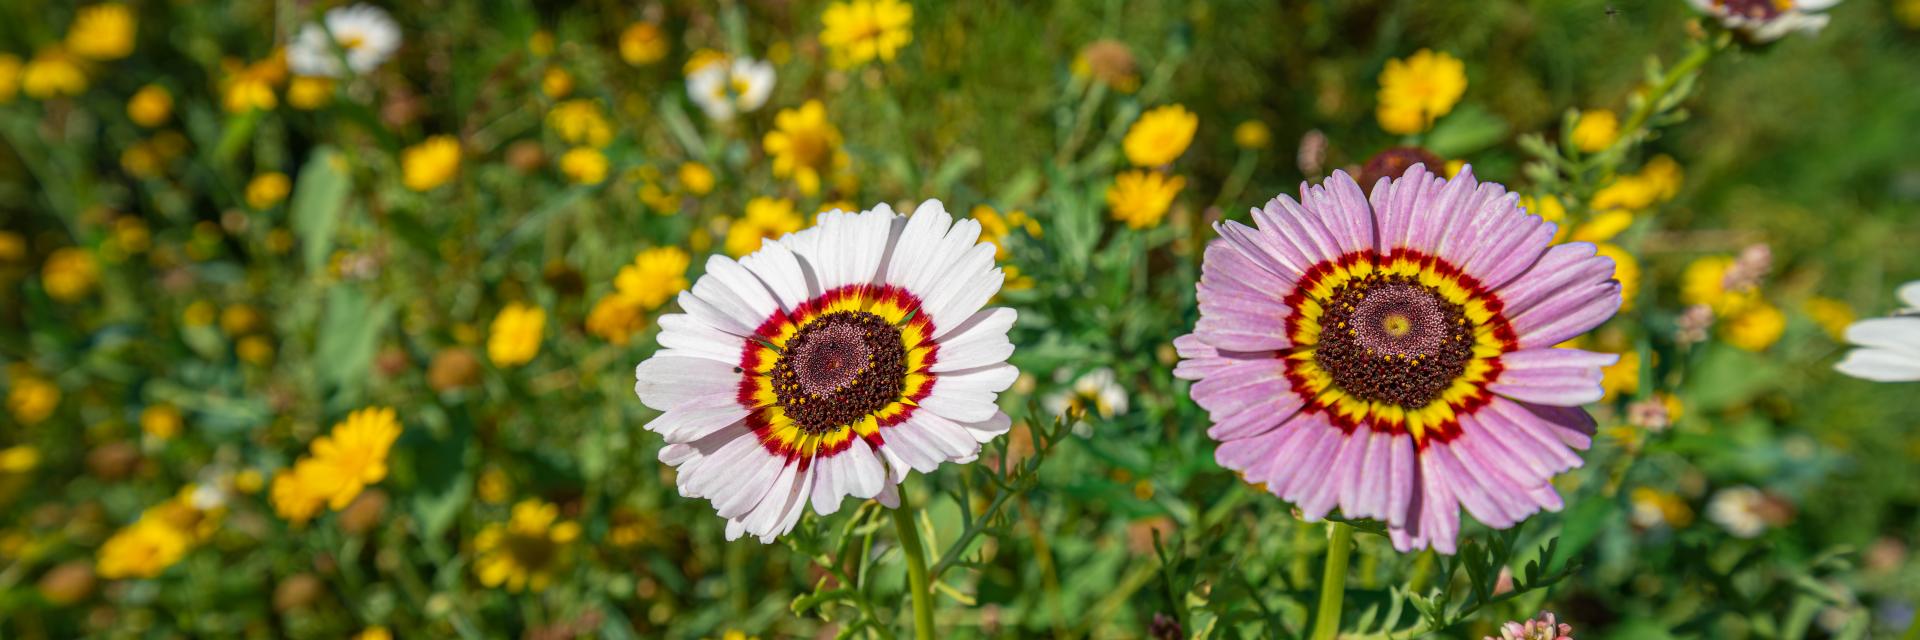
[(981, 340), (1910, 294), (1880, 365), (1897, 334), (667, 379), (990, 428), (695, 419), (728, 320), (740, 286), (685, 334), (776, 266)]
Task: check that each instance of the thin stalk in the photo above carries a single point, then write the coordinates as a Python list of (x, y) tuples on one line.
[(1333, 582), (917, 582)]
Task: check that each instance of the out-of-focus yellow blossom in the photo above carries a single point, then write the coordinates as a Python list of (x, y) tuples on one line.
[(309, 92), (161, 421), (836, 205), (248, 481), (13, 247), (1016, 281), (804, 146), (656, 275), (556, 83), (374, 633), (696, 178), (524, 553), (240, 319), (1549, 208), (1665, 176), (249, 87), (1907, 12), (352, 456), (279, 241), (294, 499), (1623, 377), (765, 218), (584, 165), (580, 122), (131, 235), (616, 318), (1625, 269), (657, 198), (1252, 135), (1658, 181), (643, 43), (143, 549), (1416, 90), (53, 73), (514, 338), (1141, 198), (150, 106), (1603, 226), (1754, 326), (1595, 130), (1160, 136), (540, 43), (254, 350), (199, 313), (1833, 315), (493, 487), (148, 158), (19, 459), (860, 31), (32, 399), (995, 227), (268, 189), (1704, 282), (9, 77), (736, 634), (1108, 62), (1656, 507), (701, 59), (102, 32), (431, 163), (69, 274)]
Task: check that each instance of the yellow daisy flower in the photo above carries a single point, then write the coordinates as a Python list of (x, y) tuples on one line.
[(352, 456), (580, 122), (584, 165), (268, 189), (766, 218), (524, 552), (143, 549), (643, 43), (32, 399), (860, 31), (1141, 198), (431, 163), (514, 338), (53, 73), (102, 32), (1418, 89), (69, 274), (804, 145), (656, 275), (150, 106), (1595, 130), (1160, 136)]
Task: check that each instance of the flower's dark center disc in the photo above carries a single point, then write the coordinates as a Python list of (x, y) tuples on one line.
[(1390, 339), (529, 550), (839, 368), (1755, 9)]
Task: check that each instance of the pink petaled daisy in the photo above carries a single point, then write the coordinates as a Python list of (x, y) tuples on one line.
[(829, 364), (1544, 627), (1395, 357)]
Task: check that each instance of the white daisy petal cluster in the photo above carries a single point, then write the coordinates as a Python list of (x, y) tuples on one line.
[(1764, 21), (363, 34), (732, 87), (1888, 349), (831, 363)]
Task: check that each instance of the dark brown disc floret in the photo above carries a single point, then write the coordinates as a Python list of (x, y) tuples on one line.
[(839, 368), (1392, 340)]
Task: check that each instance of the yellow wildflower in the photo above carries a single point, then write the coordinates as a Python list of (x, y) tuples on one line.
[(1416, 90), (351, 457), (696, 178), (1664, 175), (1833, 315), (1623, 377), (540, 44), (1603, 226), (1595, 130), (19, 459), (69, 274), (374, 633), (142, 549), (804, 145), (1754, 326), (1160, 136), (656, 275), (247, 481), (995, 227), (150, 106), (9, 77), (161, 421), (102, 32), (13, 247), (249, 87), (493, 487), (239, 319), (254, 350), (32, 399), (859, 31), (268, 189), (53, 73), (584, 165), (1252, 135), (580, 122), (514, 338), (1704, 282), (1907, 12), (1141, 198), (309, 92), (198, 313), (616, 318), (294, 498), (523, 553), (765, 218), (431, 163), (1625, 269), (1656, 507), (556, 83), (701, 59), (643, 43)]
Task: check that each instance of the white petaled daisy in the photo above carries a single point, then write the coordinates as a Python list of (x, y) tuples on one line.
[(1888, 348), (364, 33), (1096, 392), (725, 89), (1767, 20), (830, 363)]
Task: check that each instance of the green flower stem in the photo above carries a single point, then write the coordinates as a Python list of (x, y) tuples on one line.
[(917, 581), (1333, 582)]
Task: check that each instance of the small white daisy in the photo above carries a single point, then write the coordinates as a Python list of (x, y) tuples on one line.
[(1889, 348), (1767, 20), (1096, 392), (830, 363), (364, 33), (726, 89), (1742, 511)]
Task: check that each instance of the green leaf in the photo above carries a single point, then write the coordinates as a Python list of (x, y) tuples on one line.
[(349, 332), (1582, 524), (319, 199), (1468, 129), (445, 482)]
